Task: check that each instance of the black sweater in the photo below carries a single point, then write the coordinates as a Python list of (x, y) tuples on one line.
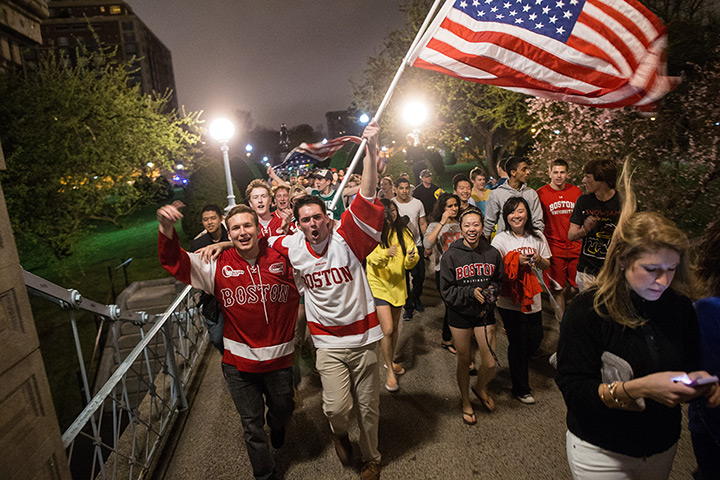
[(584, 336), (462, 269)]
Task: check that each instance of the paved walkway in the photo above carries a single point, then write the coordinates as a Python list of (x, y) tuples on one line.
[(421, 431)]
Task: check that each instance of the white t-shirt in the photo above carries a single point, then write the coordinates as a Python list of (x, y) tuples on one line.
[(506, 242), (414, 210)]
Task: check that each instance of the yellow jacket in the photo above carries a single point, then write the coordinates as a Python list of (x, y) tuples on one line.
[(386, 274)]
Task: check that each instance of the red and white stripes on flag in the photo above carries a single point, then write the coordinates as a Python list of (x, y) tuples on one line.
[(604, 53), (312, 153), (327, 149)]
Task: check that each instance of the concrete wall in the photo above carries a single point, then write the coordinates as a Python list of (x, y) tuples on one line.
[(30, 438)]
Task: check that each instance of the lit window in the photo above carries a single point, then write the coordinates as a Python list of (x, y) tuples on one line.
[(115, 10)]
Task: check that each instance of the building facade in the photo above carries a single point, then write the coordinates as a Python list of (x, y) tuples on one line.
[(19, 29), (112, 23)]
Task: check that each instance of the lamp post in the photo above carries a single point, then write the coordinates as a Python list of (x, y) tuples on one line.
[(415, 114), (222, 130)]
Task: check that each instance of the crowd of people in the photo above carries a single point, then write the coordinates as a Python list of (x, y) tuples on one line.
[(630, 351)]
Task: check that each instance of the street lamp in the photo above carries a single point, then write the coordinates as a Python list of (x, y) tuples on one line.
[(222, 130)]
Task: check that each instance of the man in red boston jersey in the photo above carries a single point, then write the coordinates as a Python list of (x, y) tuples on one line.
[(259, 301), (557, 199), (259, 197)]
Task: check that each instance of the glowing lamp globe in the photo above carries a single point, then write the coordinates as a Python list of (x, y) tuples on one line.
[(222, 129)]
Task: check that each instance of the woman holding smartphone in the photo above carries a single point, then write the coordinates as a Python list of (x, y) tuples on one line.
[(639, 314)]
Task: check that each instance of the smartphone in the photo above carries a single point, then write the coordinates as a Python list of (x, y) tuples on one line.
[(703, 381), (697, 382)]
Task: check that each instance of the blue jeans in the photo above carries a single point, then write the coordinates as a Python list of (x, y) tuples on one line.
[(215, 331), (707, 452), (247, 391)]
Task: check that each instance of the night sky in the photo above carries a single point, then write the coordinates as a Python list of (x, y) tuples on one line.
[(284, 61)]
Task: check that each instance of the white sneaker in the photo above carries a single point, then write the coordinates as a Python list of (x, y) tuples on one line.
[(553, 360), (527, 399)]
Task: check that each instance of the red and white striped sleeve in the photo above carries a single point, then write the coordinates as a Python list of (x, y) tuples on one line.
[(279, 245), (189, 268), (361, 225)]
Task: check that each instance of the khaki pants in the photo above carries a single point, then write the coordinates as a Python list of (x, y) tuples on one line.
[(351, 375)]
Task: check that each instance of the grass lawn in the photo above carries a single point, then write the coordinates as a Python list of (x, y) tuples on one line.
[(86, 270)]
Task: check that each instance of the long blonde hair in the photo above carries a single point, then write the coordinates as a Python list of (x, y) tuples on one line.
[(635, 234)]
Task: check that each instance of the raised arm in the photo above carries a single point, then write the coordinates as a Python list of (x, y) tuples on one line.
[(186, 267), (575, 232), (274, 176), (369, 175), (167, 216)]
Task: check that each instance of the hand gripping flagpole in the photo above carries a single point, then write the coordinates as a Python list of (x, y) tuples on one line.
[(383, 104)]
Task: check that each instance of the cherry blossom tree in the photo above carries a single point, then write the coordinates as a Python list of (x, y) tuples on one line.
[(675, 152)]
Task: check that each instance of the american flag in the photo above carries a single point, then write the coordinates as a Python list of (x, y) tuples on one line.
[(310, 154), (605, 53)]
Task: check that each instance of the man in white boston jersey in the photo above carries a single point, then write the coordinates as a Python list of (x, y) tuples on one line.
[(327, 260)]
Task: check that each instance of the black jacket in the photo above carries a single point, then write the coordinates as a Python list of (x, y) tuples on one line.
[(667, 342), (462, 269)]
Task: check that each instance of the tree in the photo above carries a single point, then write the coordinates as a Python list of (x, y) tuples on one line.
[(303, 133), (77, 139), (477, 122), (693, 27), (675, 153)]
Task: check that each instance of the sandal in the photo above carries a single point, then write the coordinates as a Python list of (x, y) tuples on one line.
[(449, 347), (469, 418), (487, 403), (392, 389), (397, 372)]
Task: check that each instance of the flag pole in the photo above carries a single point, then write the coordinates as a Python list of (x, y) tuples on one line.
[(383, 104)]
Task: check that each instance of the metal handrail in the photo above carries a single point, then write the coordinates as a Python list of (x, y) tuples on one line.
[(140, 418), (114, 379)]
